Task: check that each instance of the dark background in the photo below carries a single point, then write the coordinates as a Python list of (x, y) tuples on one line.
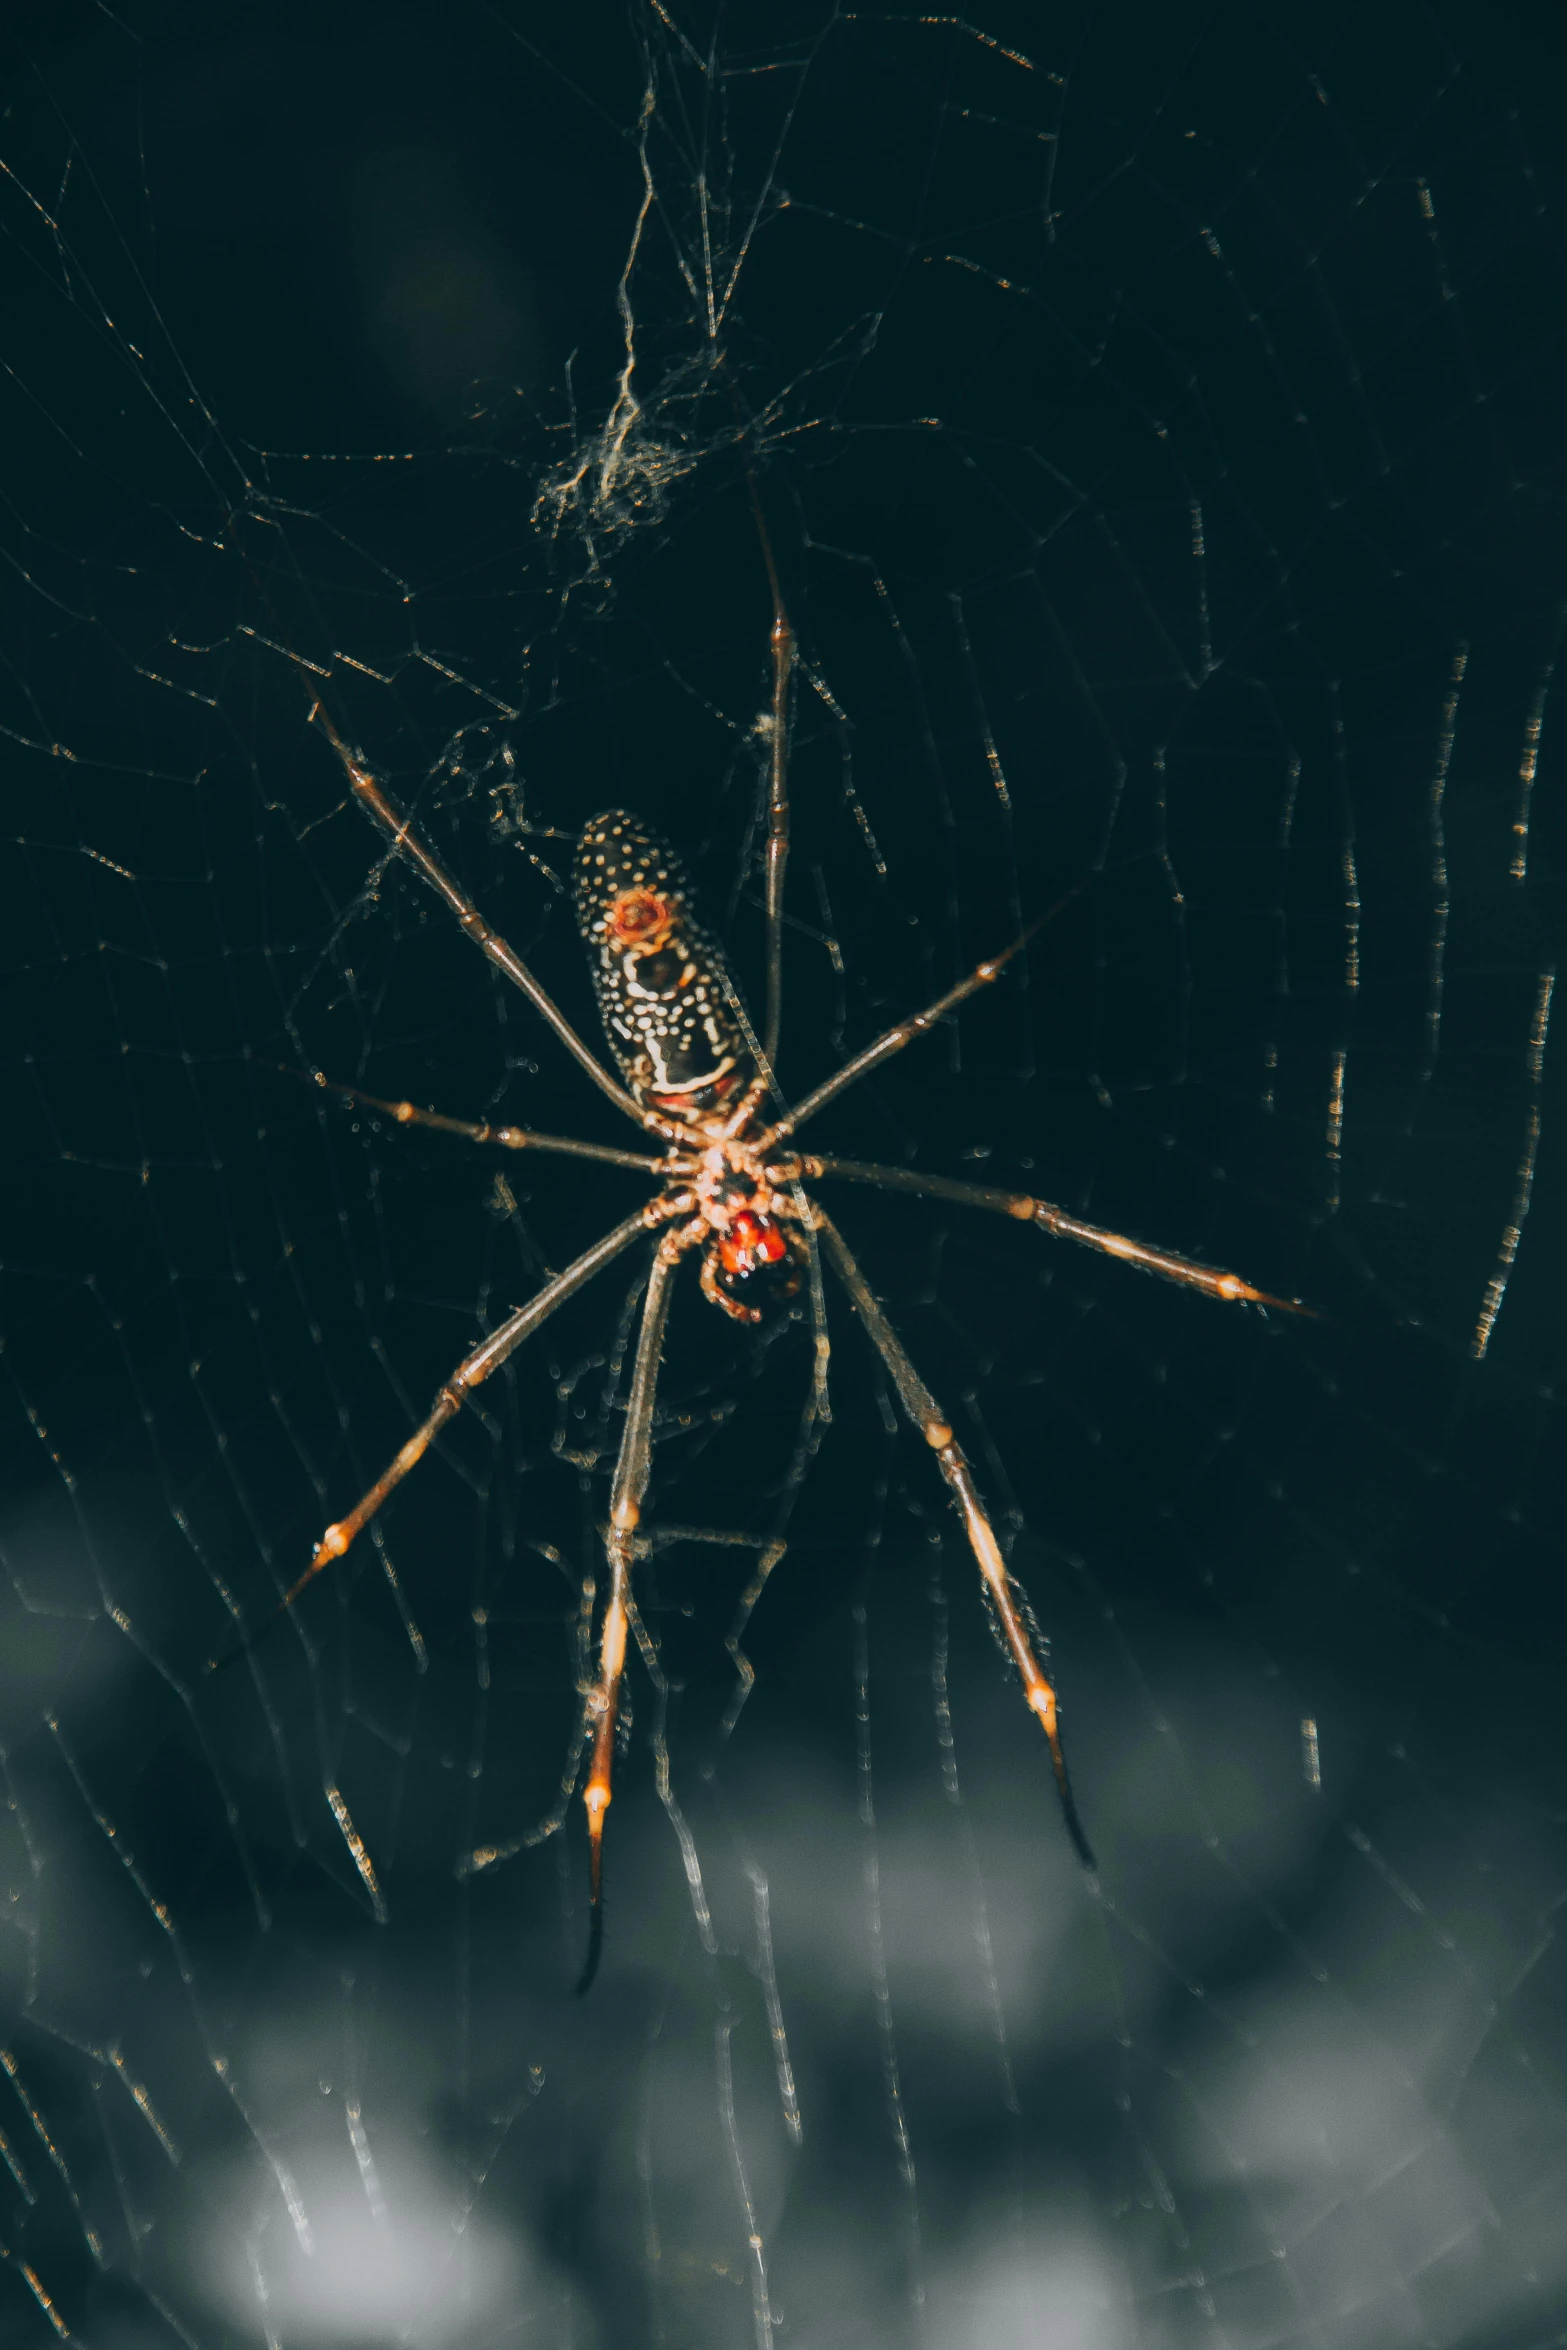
[(1158, 419)]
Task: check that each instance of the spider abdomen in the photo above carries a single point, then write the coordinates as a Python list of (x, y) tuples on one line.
[(667, 1001)]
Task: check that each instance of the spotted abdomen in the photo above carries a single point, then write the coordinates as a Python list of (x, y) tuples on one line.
[(664, 991)]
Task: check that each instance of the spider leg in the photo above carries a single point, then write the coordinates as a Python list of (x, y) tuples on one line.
[(508, 1138), (399, 831), (754, 1095), (1211, 1280), (632, 1469), (469, 1373), (926, 1414), (893, 1040), (777, 858), (815, 1415)]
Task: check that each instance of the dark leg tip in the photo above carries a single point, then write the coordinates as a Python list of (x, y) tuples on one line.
[(584, 1981), (1080, 1843)]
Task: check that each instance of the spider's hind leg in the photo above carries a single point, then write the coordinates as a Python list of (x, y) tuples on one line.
[(782, 647)]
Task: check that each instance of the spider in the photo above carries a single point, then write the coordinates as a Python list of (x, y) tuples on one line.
[(731, 1191)]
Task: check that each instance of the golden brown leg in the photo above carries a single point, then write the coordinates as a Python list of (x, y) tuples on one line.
[(1005, 1597)]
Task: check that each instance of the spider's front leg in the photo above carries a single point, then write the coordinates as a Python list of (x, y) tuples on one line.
[(476, 1367), (1004, 1594), (632, 1469)]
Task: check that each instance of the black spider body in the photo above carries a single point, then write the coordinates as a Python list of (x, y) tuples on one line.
[(667, 1001)]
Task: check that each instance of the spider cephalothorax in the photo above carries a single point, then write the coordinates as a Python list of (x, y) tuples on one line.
[(755, 1255)]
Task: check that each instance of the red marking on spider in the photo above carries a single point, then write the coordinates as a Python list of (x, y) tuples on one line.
[(638, 918), (681, 1105), (750, 1243)]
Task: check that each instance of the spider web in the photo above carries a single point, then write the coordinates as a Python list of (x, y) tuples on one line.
[(1158, 425)]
